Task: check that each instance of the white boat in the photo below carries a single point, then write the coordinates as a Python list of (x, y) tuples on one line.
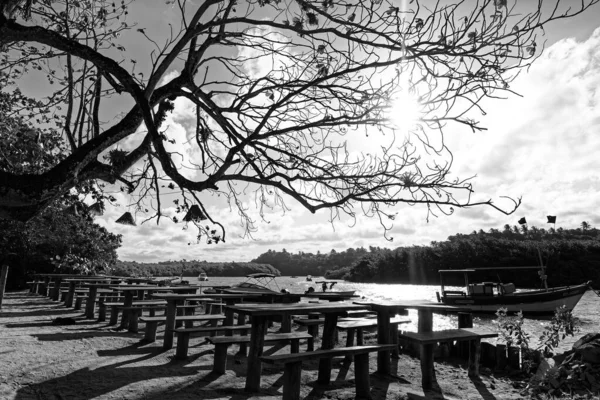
[(327, 287), (202, 277), (308, 278)]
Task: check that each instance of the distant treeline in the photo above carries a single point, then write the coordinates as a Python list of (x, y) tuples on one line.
[(572, 257), (190, 268), (304, 263)]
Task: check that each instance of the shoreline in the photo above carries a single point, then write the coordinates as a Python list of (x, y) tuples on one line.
[(91, 360)]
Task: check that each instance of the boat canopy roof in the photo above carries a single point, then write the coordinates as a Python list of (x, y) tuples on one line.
[(441, 271), (261, 275), (326, 281)]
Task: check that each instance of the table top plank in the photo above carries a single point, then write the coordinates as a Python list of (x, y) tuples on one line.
[(410, 304), (294, 308)]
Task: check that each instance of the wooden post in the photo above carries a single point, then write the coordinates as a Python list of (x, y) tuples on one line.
[(170, 324), (128, 302), (291, 381), (427, 368), (257, 340), (243, 347), (361, 376), (501, 359), (514, 357), (474, 355), (488, 354), (71, 294), (3, 276), (91, 302), (383, 337), (465, 320), (327, 343)]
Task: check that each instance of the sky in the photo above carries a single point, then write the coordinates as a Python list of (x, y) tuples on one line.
[(542, 147)]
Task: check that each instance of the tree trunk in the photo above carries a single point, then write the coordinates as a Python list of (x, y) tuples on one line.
[(3, 275)]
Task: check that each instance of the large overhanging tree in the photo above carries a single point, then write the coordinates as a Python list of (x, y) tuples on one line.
[(281, 89)]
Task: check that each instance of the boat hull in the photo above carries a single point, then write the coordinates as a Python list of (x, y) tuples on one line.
[(538, 302)]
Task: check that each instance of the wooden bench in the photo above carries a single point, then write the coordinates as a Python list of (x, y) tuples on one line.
[(183, 334), (152, 323), (356, 326), (293, 367), (152, 305), (222, 343), (472, 335)]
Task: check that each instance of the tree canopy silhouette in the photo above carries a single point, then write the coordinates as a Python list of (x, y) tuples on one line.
[(284, 94)]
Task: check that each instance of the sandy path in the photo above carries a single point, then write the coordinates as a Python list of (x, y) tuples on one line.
[(90, 360)]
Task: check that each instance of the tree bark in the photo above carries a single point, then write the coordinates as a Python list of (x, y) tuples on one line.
[(3, 275)]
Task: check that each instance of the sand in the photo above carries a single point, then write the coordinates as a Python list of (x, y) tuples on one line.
[(92, 360)]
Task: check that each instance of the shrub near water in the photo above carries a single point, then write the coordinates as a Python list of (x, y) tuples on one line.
[(511, 331)]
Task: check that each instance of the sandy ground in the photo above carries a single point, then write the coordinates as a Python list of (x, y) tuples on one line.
[(91, 360)]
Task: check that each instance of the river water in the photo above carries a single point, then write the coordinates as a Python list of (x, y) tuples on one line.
[(586, 311)]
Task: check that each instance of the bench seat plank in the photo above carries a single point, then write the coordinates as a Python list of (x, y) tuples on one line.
[(448, 335), (318, 354), (236, 339)]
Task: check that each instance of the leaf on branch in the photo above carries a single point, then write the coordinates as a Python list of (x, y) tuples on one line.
[(351, 17), (321, 49), (419, 24), (392, 10), (500, 3), (298, 23), (312, 18)]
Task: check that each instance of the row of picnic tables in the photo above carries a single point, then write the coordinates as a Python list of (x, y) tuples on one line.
[(261, 313)]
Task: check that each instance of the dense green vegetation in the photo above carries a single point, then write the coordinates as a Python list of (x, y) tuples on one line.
[(190, 268), (63, 237), (572, 256)]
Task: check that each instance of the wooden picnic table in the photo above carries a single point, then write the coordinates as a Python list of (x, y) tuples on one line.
[(175, 299), (57, 278), (387, 309), (73, 282), (260, 313), (129, 291)]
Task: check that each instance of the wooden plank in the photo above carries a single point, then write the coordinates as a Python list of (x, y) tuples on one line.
[(369, 323), (203, 329), (268, 338), (292, 381), (425, 326), (319, 354), (254, 369), (448, 335), (202, 317)]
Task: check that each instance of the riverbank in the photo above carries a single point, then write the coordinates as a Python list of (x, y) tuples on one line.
[(90, 360)]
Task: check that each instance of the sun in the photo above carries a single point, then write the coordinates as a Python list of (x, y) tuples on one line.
[(405, 111)]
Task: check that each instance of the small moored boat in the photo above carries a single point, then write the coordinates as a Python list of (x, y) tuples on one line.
[(202, 277), (488, 297)]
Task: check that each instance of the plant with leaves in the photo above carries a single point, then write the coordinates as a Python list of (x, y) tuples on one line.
[(510, 329), (283, 96)]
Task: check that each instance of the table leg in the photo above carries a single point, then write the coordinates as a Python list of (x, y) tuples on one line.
[(71, 294), (427, 368), (383, 337), (170, 324), (257, 340), (327, 343), (91, 302), (128, 302), (56, 289)]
